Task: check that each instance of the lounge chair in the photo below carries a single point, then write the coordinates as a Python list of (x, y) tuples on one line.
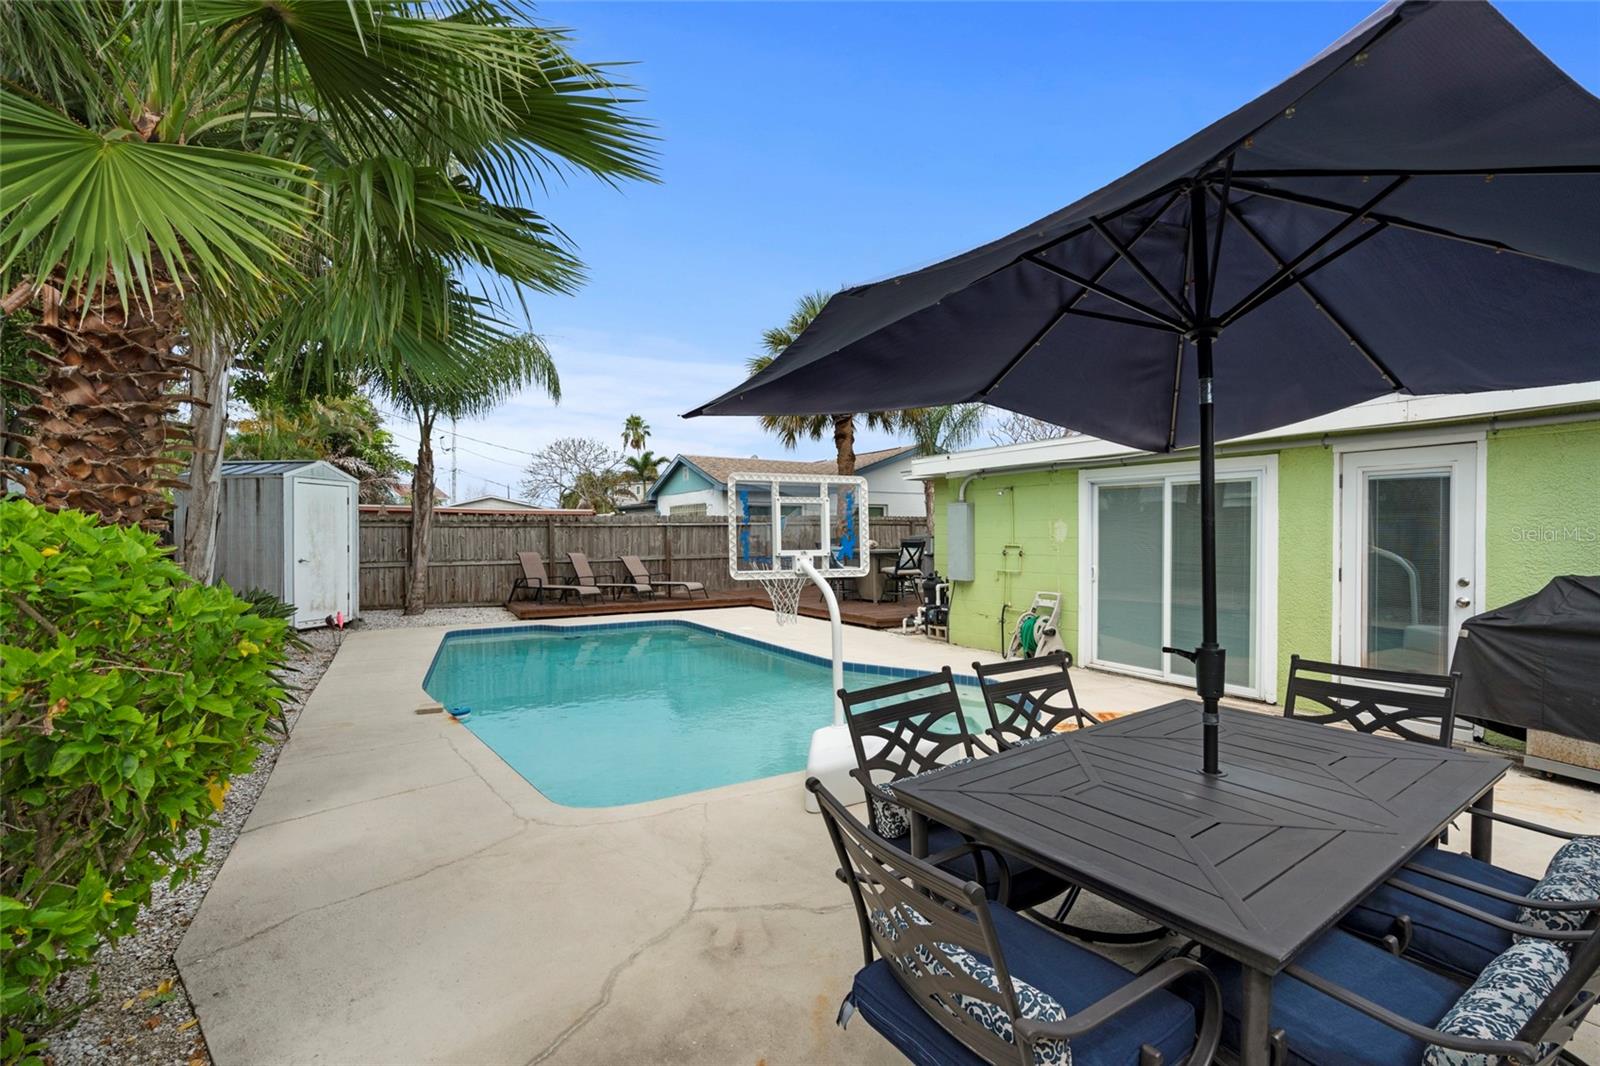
[(1373, 701), (585, 577), (643, 576), (953, 979), (1030, 699), (534, 578)]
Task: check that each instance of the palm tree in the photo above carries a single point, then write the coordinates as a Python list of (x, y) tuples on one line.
[(501, 369), (936, 430), (790, 429), (298, 171), (635, 431), (646, 466)]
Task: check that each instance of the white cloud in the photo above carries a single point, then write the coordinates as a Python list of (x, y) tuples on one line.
[(603, 380)]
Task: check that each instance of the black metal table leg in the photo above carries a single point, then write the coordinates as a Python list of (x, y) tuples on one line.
[(1483, 829), (1255, 1012), (919, 836)]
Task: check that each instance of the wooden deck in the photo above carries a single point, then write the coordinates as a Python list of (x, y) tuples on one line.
[(851, 612)]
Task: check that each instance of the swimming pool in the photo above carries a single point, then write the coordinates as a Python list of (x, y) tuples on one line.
[(604, 715)]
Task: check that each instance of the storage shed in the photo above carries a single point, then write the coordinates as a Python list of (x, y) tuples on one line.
[(291, 527)]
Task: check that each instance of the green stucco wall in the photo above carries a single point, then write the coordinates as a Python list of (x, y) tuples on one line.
[(1305, 556), (1542, 517), (1026, 532)]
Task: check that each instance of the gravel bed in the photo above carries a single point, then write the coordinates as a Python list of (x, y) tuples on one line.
[(437, 616), (143, 1014)]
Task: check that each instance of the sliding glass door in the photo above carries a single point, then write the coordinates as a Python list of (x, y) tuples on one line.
[(1145, 571)]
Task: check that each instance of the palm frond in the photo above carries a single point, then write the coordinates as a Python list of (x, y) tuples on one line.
[(100, 205)]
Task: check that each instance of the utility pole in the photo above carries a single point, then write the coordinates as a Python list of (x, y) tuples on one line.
[(455, 463)]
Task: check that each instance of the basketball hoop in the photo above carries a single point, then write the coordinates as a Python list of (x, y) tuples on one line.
[(784, 589)]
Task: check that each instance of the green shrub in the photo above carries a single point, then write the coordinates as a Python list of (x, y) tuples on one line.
[(131, 695)]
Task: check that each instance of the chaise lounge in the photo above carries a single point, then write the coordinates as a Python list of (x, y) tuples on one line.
[(642, 575), (534, 578)]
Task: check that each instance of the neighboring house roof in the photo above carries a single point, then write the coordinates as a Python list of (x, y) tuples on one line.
[(403, 490), (718, 468), (496, 503), (1397, 411)]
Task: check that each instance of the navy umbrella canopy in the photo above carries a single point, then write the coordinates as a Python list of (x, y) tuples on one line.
[(1417, 209)]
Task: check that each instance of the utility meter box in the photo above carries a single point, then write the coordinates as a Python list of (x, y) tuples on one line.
[(959, 559)]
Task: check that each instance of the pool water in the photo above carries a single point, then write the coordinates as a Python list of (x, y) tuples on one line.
[(599, 716)]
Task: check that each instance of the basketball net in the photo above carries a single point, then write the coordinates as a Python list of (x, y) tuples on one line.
[(783, 589)]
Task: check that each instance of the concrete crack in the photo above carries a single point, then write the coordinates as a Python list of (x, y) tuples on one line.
[(610, 983), (352, 803), (358, 895)]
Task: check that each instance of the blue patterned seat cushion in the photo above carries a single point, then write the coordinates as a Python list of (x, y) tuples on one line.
[(1030, 886), (1501, 1001), (1442, 936), (1559, 887), (1324, 1032), (893, 923), (1069, 975), (1579, 856), (889, 818)]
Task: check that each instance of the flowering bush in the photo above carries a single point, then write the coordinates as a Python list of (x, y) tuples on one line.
[(131, 695)]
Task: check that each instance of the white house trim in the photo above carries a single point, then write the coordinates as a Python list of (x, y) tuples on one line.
[(1386, 412), (1265, 469)]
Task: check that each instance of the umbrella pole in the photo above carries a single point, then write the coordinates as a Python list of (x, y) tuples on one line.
[(1209, 658)]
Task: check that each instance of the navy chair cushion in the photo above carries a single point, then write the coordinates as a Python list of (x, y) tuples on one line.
[(1324, 1032), (1030, 886), (1074, 976), (1440, 935)]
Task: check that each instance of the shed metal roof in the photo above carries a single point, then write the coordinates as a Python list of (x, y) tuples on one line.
[(257, 467)]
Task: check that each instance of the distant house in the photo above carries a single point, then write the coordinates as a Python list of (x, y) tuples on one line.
[(698, 484), (494, 503), (402, 493)]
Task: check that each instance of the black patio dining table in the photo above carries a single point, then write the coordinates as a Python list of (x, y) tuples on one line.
[(1305, 821)]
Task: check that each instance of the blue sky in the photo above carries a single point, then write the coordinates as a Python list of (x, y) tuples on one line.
[(814, 145)]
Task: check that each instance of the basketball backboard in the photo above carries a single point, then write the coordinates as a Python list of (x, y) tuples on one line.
[(774, 519)]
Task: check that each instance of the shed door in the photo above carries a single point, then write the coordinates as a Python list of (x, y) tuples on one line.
[(321, 551)]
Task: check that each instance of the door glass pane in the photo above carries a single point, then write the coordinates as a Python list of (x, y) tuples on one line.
[(1236, 575), (1407, 590), (1128, 590)]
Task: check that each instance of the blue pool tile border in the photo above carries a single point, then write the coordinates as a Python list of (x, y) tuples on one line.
[(656, 623)]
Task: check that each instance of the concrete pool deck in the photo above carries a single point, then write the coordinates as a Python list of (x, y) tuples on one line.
[(400, 895)]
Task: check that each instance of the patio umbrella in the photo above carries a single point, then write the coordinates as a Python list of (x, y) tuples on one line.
[(1417, 209)]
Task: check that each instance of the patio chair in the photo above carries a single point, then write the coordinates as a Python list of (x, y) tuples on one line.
[(950, 978), (1028, 699), (642, 575), (907, 568), (1456, 913), (1369, 701), (534, 578), (579, 562), (919, 735), (1347, 1001)]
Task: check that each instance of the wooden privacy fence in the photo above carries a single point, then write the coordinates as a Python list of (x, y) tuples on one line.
[(473, 559)]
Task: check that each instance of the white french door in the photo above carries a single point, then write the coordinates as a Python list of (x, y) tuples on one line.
[(1142, 559), (1408, 554)]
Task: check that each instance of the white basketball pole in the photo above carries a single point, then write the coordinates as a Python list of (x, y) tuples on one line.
[(805, 567), (832, 755)]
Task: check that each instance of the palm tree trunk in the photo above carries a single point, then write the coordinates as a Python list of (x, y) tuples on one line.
[(103, 439), (421, 517), (198, 537), (927, 502), (844, 443)]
